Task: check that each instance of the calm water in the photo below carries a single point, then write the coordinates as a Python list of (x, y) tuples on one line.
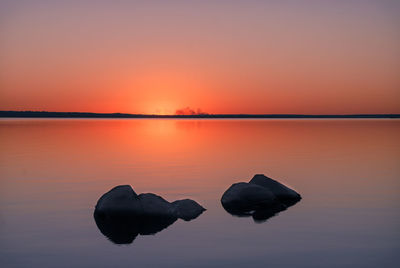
[(52, 173)]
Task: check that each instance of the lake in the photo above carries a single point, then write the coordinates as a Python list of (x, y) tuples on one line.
[(53, 171)]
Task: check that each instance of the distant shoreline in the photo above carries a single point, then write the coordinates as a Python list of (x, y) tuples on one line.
[(44, 114)]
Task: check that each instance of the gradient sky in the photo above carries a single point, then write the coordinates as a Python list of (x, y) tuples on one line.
[(220, 56)]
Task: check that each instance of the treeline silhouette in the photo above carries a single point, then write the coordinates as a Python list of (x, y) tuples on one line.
[(45, 114)]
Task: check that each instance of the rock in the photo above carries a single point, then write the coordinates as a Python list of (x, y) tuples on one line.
[(261, 198), (187, 209), (120, 200), (156, 206), (121, 214), (244, 196), (281, 191)]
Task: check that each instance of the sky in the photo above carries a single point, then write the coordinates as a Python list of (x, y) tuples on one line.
[(157, 57)]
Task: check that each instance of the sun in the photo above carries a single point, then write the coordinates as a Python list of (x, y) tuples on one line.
[(161, 108)]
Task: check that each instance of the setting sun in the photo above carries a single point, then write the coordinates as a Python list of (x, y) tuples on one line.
[(161, 108)]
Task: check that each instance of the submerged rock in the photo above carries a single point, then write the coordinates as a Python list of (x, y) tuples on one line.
[(260, 198), (121, 214)]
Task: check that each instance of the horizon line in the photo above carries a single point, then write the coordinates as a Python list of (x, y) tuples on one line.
[(49, 114)]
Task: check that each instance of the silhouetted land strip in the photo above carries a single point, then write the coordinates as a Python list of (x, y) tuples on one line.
[(43, 114)]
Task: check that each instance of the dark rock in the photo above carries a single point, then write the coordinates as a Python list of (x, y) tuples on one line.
[(245, 197), (187, 209), (156, 206), (281, 191), (121, 214), (261, 198), (121, 199)]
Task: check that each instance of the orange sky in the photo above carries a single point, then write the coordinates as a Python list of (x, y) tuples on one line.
[(220, 56)]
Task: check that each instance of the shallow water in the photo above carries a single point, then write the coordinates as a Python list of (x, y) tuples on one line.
[(52, 172)]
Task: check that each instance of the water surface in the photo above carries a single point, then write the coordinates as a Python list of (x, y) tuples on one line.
[(52, 172)]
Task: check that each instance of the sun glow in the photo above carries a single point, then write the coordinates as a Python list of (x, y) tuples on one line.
[(161, 108)]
